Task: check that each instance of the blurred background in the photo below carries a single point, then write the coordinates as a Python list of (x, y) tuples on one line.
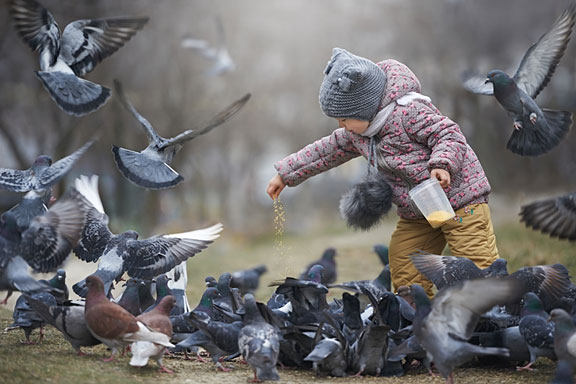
[(279, 49)]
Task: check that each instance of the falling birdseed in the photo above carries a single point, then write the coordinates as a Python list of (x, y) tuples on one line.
[(280, 250)]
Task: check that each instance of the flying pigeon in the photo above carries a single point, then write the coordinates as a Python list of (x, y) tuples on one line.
[(248, 280), (536, 131), (112, 324), (65, 57), (150, 168), (564, 336), (536, 330), (68, 319), (33, 203), (218, 54), (44, 245), (26, 318), (555, 216), (157, 319), (444, 326), (259, 342), (123, 252), (41, 175)]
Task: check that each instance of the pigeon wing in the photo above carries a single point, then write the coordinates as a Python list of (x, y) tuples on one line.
[(95, 235), (57, 170), (556, 216), (36, 26), (207, 127), (148, 258), (540, 61), (50, 237), (153, 137), (445, 270), (476, 83), (85, 43), (16, 180), (459, 307)]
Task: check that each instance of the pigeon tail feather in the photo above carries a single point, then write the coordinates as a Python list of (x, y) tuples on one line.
[(73, 95), (144, 171), (88, 187), (146, 334), (539, 140)]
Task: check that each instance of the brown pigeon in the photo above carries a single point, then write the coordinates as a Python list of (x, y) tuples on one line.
[(157, 319), (112, 324)]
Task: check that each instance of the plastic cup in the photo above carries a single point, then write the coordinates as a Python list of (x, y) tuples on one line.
[(431, 200)]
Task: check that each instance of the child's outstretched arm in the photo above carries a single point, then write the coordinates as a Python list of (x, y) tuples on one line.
[(275, 186)]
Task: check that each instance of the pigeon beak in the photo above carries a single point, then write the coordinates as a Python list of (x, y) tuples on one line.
[(487, 80)]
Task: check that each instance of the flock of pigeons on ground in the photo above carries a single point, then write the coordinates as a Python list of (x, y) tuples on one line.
[(513, 318)]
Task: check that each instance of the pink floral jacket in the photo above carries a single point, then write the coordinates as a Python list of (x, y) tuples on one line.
[(415, 139)]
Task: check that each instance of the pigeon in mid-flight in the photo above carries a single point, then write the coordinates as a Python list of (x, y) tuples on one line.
[(150, 168), (66, 56), (119, 253), (42, 175), (222, 62), (536, 131), (555, 216)]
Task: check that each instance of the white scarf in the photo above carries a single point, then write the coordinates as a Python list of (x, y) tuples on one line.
[(381, 117)]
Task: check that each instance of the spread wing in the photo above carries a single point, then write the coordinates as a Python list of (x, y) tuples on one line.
[(214, 122), (151, 257), (58, 169), (152, 135), (95, 234), (36, 26), (16, 180), (556, 216), (85, 43), (50, 237), (540, 61)]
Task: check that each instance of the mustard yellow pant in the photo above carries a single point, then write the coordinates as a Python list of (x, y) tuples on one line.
[(470, 235)]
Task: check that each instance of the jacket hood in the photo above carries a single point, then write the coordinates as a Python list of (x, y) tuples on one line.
[(400, 81)]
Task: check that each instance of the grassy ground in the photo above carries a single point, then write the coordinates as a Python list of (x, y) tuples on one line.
[(54, 360)]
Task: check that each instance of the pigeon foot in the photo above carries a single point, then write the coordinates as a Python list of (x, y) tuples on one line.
[(533, 118), (517, 125), (527, 367), (163, 369)]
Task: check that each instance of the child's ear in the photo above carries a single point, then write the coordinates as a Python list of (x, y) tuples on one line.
[(349, 78)]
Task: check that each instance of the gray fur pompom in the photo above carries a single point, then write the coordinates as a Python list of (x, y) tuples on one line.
[(366, 203)]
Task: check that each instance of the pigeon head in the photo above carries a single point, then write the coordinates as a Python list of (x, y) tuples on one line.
[(95, 288), (498, 78), (59, 279), (499, 268), (532, 303), (420, 297), (261, 269), (42, 162), (224, 282), (329, 254), (210, 281), (382, 252), (562, 320), (252, 313), (208, 296), (166, 304), (315, 273)]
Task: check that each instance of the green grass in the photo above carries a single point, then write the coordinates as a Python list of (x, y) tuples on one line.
[(54, 361)]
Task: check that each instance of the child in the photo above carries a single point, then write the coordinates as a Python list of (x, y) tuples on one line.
[(379, 110)]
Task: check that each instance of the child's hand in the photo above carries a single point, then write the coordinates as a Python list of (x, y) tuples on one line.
[(442, 175), (275, 186)]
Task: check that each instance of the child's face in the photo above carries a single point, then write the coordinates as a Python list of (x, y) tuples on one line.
[(353, 125)]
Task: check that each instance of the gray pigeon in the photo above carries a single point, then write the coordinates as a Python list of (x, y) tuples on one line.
[(26, 318), (68, 319), (121, 253), (329, 274), (40, 176), (555, 216), (248, 280), (329, 356), (536, 131), (564, 336), (150, 168), (259, 342), (536, 330), (65, 57), (222, 62), (44, 245), (58, 281), (445, 325)]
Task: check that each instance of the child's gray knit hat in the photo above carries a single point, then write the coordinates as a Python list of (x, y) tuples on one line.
[(352, 87)]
